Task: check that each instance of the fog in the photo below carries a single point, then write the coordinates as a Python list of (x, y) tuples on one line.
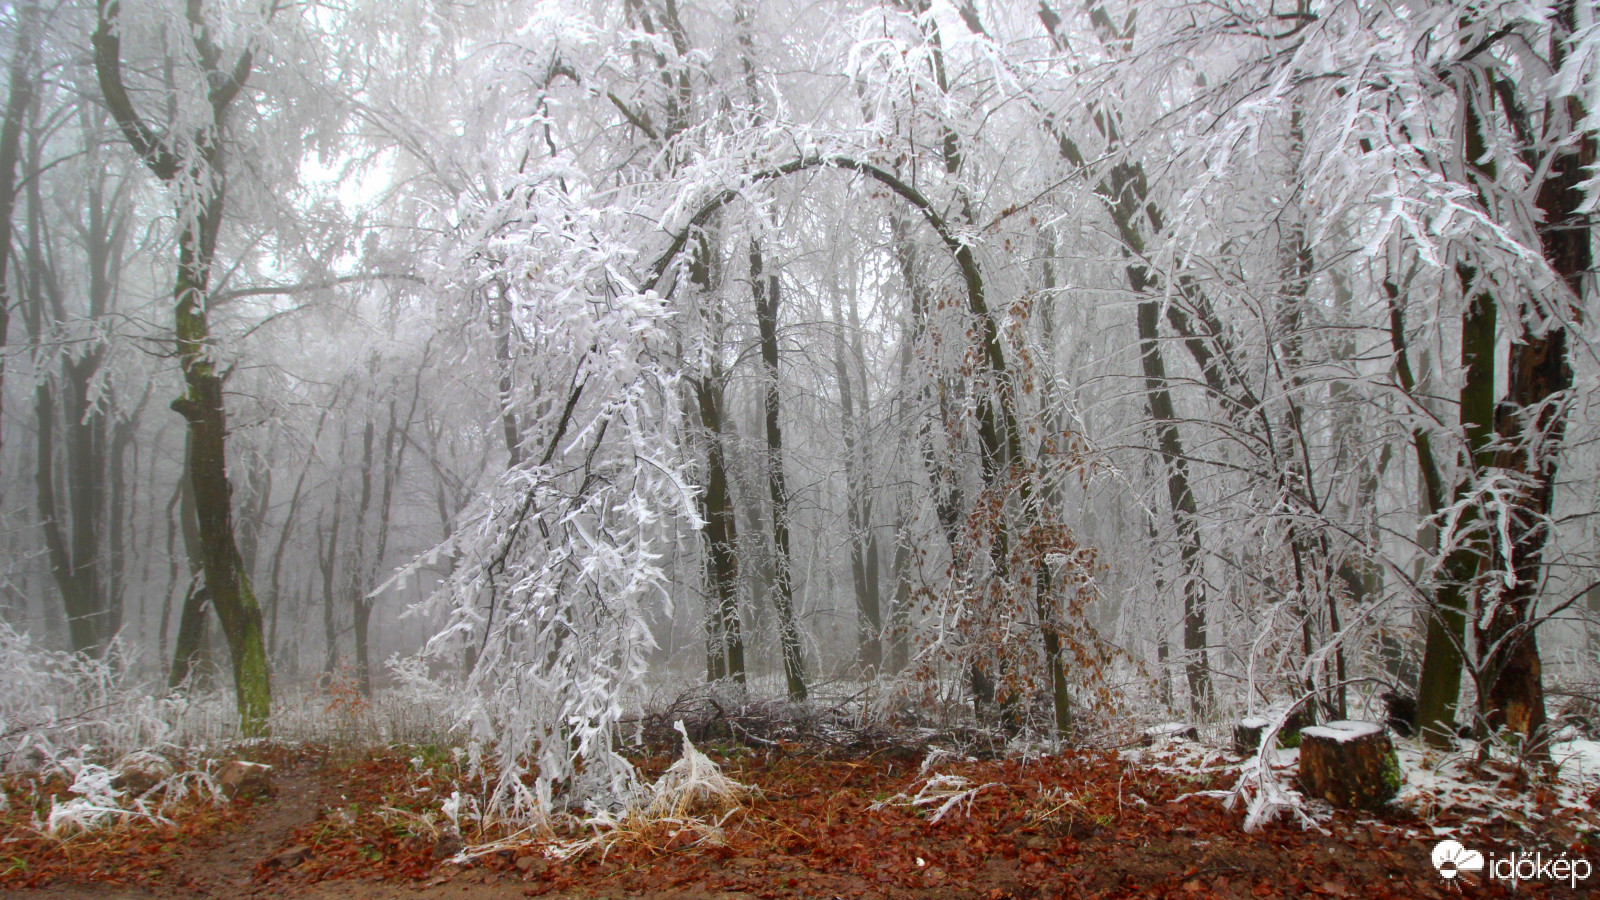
[(1048, 368)]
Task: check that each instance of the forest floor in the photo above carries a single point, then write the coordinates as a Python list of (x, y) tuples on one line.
[(363, 826)]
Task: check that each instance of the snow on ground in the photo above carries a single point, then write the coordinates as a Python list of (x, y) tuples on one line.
[(1579, 761), (1450, 792), (1454, 789)]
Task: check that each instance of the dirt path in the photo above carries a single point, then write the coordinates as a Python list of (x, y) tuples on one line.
[(224, 866), (227, 868)]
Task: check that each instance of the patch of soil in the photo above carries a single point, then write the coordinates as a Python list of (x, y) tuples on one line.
[(227, 866)]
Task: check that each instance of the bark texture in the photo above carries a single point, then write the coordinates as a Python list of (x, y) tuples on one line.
[(1348, 769)]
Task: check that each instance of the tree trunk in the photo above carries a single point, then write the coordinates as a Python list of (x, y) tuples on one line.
[(766, 291), (900, 612), (1439, 687), (1295, 472), (999, 437), (355, 568), (858, 500), (1185, 512), (1046, 602), (1180, 496), (73, 574), (275, 598), (1531, 424), (70, 458), (724, 643), (395, 440), (121, 439), (756, 570), (511, 428), (1126, 195), (191, 655), (202, 402), (202, 406), (327, 563), (1592, 600), (719, 529), (19, 98)]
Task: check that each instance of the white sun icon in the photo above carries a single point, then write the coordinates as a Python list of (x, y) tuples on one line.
[(1451, 859)]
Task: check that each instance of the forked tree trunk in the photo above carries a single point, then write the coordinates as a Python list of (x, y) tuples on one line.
[(1125, 192), (71, 468), (199, 165), (290, 516), (1443, 654), (395, 441), (998, 433), (719, 531)]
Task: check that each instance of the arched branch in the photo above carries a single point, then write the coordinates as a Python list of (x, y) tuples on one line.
[(793, 167), (959, 249), (997, 434)]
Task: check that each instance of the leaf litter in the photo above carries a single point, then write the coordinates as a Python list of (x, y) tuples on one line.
[(795, 820)]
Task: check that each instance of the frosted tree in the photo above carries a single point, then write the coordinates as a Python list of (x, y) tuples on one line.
[(556, 569)]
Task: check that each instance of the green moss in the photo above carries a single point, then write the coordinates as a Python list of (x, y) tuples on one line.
[(1392, 777)]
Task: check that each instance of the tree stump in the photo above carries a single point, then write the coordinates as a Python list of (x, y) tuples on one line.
[(249, 779), (1349, 764), (141, 771), (1247, 734)]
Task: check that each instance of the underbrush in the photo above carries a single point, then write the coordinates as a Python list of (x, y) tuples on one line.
[(104, 781), (84, 821)]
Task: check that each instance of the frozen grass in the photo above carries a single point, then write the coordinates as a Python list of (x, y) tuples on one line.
[(83, 739), (688, 804)]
